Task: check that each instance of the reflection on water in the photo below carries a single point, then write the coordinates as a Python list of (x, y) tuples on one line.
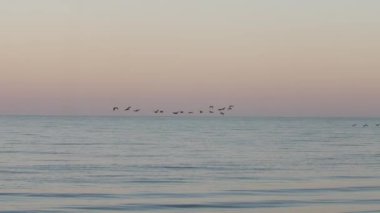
[(162, 164)]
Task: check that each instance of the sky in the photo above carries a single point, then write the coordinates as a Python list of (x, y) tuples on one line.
[(268, 57)]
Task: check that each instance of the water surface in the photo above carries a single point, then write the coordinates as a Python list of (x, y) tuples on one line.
[(188, 164)]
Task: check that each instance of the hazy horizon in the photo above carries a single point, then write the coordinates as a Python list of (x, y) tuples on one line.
[(269, 58)]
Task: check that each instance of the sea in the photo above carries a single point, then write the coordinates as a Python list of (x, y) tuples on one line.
[(189, 164)]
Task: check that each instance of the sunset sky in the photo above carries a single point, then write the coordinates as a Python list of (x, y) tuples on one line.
[(268, 57)]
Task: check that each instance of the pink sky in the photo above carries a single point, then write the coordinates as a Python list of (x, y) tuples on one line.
[(268, 58)]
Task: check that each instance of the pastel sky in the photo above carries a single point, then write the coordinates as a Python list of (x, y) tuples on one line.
[(268, 57)]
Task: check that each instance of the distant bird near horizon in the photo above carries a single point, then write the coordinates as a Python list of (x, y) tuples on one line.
[(211, 107), (211, 111), (156, 111), (365, 125), (221, 109), (222, 113), (190, 112), (115, 108), (136, 110), (128, 108), (161, 111), (175, 113), (200, 111)]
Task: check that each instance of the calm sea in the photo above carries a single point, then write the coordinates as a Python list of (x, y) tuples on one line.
[(189, 164)]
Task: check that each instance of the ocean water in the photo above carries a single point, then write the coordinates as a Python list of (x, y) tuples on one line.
[(188, 164)]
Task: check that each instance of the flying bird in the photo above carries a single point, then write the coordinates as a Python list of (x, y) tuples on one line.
[(115, 108), (200, 111), (222, 113), (161, 111), (211, 111), (365, 125), (136, 110), (156, 111), (222, 109), (175, 113)]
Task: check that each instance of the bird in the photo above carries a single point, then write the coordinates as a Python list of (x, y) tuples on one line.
[(354, 125), (377, 124), (128, 108), (200, 111), (221, 109), (175, 113), (222, 113), (230, 107), (161, 111), (211, 111), (181, 112), (115, 108), (365, 125), (157, 111), (211, 107), (136, 110), (190, 112)]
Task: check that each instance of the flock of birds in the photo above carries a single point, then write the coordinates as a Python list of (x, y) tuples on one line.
[(211, 110), (364, 125)]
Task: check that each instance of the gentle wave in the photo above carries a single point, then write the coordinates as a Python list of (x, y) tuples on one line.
[(227, 205)]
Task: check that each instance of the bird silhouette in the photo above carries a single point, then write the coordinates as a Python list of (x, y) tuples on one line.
[(157, 111), (211, 111), (175, 113), (115, 108), (200, 111), (161, 111), (181, 112), (222, 113), (136, 110), (221, 109), (211, 107), (365, 125), (128, 108)]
